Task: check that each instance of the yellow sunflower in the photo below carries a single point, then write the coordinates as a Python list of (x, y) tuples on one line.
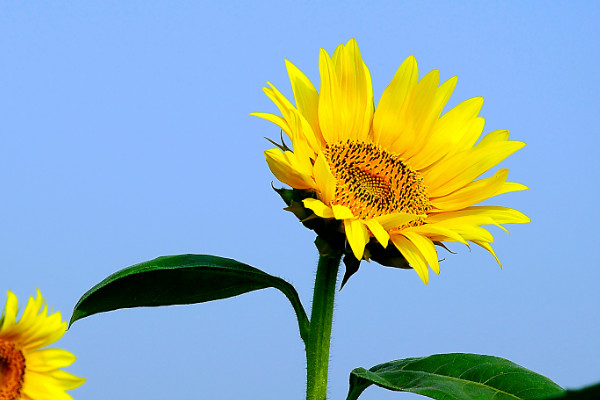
[(26, 372), (401, 175)]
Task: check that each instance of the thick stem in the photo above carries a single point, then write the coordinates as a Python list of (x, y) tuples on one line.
[(317, 346)]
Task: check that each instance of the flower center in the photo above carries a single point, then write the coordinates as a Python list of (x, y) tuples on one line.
[(12, 371), (373, 182)]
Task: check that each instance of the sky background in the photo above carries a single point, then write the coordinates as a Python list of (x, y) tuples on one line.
[(125, 135)]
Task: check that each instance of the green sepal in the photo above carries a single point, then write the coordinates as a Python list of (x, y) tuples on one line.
[(456, 376), (332, 231), (182, 279), (283, 147), (352, 265), (389, 256)]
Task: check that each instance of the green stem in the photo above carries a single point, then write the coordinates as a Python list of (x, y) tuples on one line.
[(317, 345)]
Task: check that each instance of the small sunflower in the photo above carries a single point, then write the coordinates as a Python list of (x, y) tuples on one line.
[(26, 372), (401, 177)]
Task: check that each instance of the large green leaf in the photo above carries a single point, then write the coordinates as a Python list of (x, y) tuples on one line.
[(455, 376), (587, 393), (181, 279)]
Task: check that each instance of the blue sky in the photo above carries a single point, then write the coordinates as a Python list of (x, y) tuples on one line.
[(126, 135)]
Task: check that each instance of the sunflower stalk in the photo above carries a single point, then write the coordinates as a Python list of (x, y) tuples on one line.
[(319, 337)]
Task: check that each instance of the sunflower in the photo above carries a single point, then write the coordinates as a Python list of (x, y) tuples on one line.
[(26, 372), (401, 176)]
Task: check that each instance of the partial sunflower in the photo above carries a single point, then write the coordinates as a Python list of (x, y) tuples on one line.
[(26, 371), (400, 173)]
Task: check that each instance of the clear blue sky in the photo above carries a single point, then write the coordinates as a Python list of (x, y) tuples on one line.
[(126, 135)]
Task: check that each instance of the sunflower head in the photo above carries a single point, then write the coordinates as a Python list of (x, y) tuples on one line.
[(26, 370), (388, 183)]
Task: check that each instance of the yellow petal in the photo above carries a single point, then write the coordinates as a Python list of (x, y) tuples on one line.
[(477, 191), (467, 226), (324, 179), (67, 380), (297, 122), (284, 171), (357, 236), (501, 215), (303, 155), (9, 315), (346, 99), (436, 232), (318, 207), (455, 131), (412, 255), (395, 220), (494, 136), (328, 99), (276, 119), (419, 153), (280, 101), (50, 385), (385, 122), (488, 247), (49, 359), (307, 98), (450, 129), (377, 230), (473, 233), (360, 77), (417, 115), (341, 212), (457, 171), (426, 247), (36, 327)]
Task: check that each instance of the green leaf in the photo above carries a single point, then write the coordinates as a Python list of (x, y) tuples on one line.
[(587, 393), (182, 279), (455, 376)]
